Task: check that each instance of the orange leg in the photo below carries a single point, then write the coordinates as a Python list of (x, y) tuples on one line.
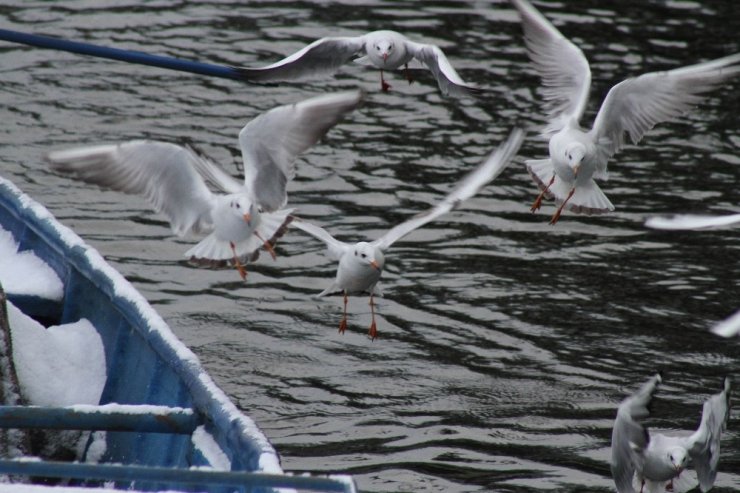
[(538, 201), (408, 74), (384, 86), (556, 216), (268, 247), (373, 332), (239, 267), (343, 323)]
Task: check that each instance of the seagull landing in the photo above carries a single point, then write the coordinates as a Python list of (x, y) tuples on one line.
[(386, 50), (248, 215), (361, 264)]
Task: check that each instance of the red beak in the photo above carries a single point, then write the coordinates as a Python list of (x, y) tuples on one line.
[(247, 217)]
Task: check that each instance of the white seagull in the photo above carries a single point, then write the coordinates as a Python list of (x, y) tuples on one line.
[(634, 106), (386, 50), (654, 459), (248, 214), (361, 264), (731, 326)]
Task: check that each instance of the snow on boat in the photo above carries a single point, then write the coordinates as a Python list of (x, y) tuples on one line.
[(93, 361)]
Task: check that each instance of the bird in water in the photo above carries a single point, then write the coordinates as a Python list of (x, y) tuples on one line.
[(634, 106), (243, 216), (386, 50), (655, 461), (361, 264)]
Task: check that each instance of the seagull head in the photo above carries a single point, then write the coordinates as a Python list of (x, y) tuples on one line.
[(574, 154), (678, 458), (244, 208), (383, 48), (369, 256)]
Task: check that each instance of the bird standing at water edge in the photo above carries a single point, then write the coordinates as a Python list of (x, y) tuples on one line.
[(361, 264), (248, 214), (386, 50), (634, 106)]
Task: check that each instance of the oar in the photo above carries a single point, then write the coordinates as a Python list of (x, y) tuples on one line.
[(119, 54)]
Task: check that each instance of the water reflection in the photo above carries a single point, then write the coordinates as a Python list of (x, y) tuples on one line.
[(506, 344)]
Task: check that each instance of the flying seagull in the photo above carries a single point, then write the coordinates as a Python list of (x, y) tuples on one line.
[(246, 215), (386, 50), (655, 460), (361, 264), (634, 106)]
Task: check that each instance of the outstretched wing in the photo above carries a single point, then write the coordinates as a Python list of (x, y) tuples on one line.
[(323, 56), (466, 188), (165, 174), (703, 445), (629, 437), (450, 83), (336, 247), (690, 221), (271, 142), (564, 70), (636, 105)]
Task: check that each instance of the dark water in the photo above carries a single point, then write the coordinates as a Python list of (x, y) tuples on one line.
[(505, 344)]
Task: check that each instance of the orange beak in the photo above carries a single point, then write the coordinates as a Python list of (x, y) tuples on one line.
[(247, 217), (375, 265), (385, 57)]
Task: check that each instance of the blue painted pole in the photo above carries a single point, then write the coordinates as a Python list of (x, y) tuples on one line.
[(159, 419), (122, 55), (244, 481)]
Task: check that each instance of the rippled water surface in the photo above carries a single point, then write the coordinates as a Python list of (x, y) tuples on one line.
[(505, 343)]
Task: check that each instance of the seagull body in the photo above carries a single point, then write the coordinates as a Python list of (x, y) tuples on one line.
[(654, 459), (361, 264), (634, 106), (246, 215), (386, 50)]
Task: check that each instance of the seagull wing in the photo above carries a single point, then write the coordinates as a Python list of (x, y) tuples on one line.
[(336, 247), (450, 83), (466, 188), (271, 142), (689, 221), (629, 437), (703, 445), (165, 174), (322, 56), (636, 105), (564, 69)]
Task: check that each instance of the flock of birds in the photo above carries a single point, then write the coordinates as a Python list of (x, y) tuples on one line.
[(247, 216)]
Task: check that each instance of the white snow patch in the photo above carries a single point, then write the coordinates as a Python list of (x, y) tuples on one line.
[(58, 366), (97, 448), (25, 273), (130, 409), (203, 441)]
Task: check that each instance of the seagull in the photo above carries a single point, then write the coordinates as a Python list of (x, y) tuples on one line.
[(386, 50), (361, 264), (655, 458), (247, 215), (731, 326), (634, 106)]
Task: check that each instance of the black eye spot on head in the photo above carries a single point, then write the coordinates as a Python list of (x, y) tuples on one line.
[(355, 253), (238, 205), (363, 255)]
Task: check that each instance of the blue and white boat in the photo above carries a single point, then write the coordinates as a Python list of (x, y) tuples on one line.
[(161, 423)]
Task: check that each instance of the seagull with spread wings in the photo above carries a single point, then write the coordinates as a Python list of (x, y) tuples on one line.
[(386, 50), (653, 459), (361, 264), (632, 107), (245, 215)]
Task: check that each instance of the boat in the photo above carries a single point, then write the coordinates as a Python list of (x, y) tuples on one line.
[(161, 423)]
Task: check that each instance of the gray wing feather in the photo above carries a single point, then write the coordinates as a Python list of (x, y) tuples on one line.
[(336, 247), (564, 70), (165, 174), (704, 443), (323, 56), (466, 188), (271, 142), (629, 437), (450, 83), (636, 105)]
